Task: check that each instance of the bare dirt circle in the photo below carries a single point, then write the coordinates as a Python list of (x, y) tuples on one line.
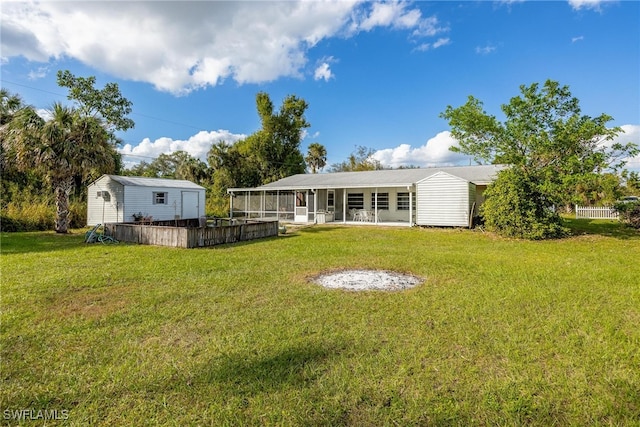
[(367, 280)]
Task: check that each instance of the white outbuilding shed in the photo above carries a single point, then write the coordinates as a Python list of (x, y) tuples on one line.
[(114, 198), (445, 200)]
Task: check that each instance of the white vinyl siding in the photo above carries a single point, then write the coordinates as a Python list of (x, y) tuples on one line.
[(104, 202), (127, 200), (444, 200)]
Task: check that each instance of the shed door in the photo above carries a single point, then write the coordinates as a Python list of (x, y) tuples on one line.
[(190, 206)]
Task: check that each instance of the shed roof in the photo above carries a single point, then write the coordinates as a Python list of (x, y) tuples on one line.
[(140, 181), (481, 175)]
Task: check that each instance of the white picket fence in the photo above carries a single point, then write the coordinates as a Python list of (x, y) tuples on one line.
[(593, 212)]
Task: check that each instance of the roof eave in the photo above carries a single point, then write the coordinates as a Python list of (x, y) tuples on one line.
[(322, 187)]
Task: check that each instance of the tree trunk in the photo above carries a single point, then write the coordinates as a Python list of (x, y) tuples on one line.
[(62, 189)]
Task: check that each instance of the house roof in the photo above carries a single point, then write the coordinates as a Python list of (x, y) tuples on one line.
[(140, 181), (481, 175)]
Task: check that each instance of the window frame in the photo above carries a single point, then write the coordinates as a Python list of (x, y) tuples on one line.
[(104, 195), (383, 205), (160, 198), (404, 200), (355, 201)]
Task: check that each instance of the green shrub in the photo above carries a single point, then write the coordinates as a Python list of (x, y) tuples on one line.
[(217, 205), (629, 213), (514, 207), (28, 216), (9, 224), (77, 214)]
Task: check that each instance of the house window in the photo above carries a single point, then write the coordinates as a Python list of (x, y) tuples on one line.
[(383, 201), (331, 200), (403, 201), (160, 198), (355, 201)]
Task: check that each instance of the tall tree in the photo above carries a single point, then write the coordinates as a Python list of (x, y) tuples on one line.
[(75, 141), (67, 145), (177, 165), (269, 154), (316, 157), (10, 104), (631, 182), (550, 146), (106, 104), (360, 160), (275, 149)]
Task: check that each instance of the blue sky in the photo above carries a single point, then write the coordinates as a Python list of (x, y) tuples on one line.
[(374, 74)]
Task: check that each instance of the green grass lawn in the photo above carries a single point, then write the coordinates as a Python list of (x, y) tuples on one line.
[(501, 332)]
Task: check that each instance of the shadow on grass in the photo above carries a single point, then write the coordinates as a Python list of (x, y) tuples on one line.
[(601, 227), (40, 241), (247, 373), (314, 229)]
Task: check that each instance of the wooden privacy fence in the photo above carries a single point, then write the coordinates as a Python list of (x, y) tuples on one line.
[(191, 237), (593, 212)]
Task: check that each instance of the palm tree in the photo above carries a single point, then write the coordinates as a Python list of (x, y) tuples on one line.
[(316, 157), (9, 106), (190, 168), (67, 145)]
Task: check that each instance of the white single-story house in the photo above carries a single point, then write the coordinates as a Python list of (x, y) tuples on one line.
[(113, 198), (447, 196)]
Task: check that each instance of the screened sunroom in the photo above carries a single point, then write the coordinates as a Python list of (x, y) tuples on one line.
[(388, 197)]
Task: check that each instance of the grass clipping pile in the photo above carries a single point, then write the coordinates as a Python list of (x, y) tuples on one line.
[(367, 280)]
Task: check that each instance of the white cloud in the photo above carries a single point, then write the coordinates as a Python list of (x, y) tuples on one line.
[(587, 4), (630, 133), (485, 50), (323, 70), (38, 73), (435, 152), (393, 14), (182, 46), (45, 114), (577, 39), (443, 41), (197, 145)]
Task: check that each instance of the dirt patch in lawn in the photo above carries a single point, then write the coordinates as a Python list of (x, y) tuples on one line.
[(367, 280)]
